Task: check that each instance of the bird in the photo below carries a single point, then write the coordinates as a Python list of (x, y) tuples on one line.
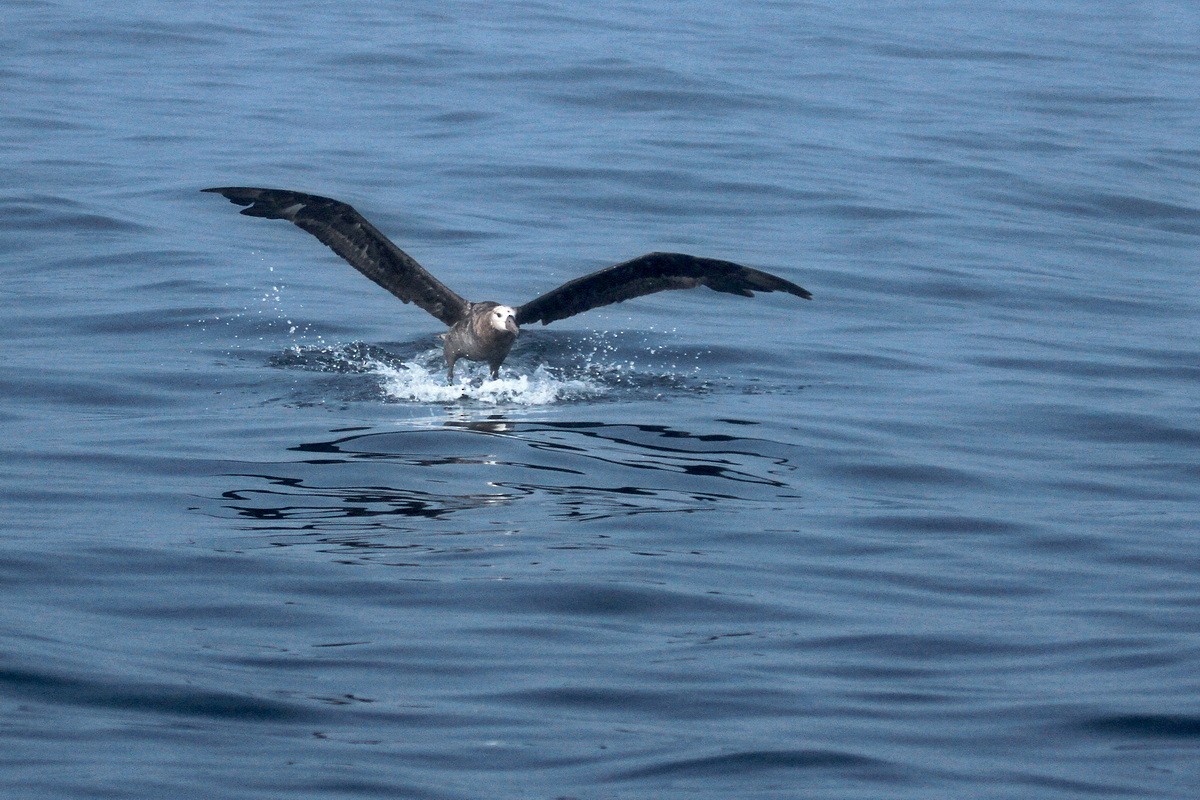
[(485, 331)]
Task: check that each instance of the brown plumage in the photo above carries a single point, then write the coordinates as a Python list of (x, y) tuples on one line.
[(486, 331)]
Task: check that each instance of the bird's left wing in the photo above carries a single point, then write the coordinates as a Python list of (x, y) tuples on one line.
[(655, 272), (359, 242)]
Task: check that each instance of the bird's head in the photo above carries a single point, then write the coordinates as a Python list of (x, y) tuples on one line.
[(504, 318)]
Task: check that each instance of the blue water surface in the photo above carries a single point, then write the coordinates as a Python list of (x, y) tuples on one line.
[(930, 535)]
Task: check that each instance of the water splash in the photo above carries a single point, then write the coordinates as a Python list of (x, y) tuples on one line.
[(550, 368), (420, 377), (415, 382)]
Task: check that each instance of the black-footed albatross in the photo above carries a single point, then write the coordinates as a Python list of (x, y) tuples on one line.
[(486, 331)]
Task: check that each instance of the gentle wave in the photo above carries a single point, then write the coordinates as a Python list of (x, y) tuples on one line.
[(35, 684)]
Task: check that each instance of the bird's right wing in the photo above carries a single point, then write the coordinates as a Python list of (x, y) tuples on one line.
[(654, 272), (348, 234)]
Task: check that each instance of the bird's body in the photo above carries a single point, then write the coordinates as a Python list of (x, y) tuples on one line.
[(486, 331)]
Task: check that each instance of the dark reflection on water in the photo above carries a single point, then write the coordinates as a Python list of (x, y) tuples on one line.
[(649, 447), (521, 473), (346, 503)]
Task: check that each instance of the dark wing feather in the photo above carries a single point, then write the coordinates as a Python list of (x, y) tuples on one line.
[(647, 274), (359, 242)]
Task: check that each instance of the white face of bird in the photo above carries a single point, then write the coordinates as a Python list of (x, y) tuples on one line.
[(504, 318)]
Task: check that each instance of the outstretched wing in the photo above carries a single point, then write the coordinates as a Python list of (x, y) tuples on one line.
[(647, 274), (359, 242)]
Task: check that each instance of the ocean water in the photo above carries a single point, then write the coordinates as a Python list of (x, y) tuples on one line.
[(933, 534)]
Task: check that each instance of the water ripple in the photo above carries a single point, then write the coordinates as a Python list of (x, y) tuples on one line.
[(45, 686), (753, 762)]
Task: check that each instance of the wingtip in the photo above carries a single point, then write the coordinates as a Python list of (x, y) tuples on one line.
[(228, 192), (767, 282), (784, 285), (238, 195)]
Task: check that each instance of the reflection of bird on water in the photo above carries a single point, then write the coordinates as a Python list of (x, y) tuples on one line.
[(486, 331)]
